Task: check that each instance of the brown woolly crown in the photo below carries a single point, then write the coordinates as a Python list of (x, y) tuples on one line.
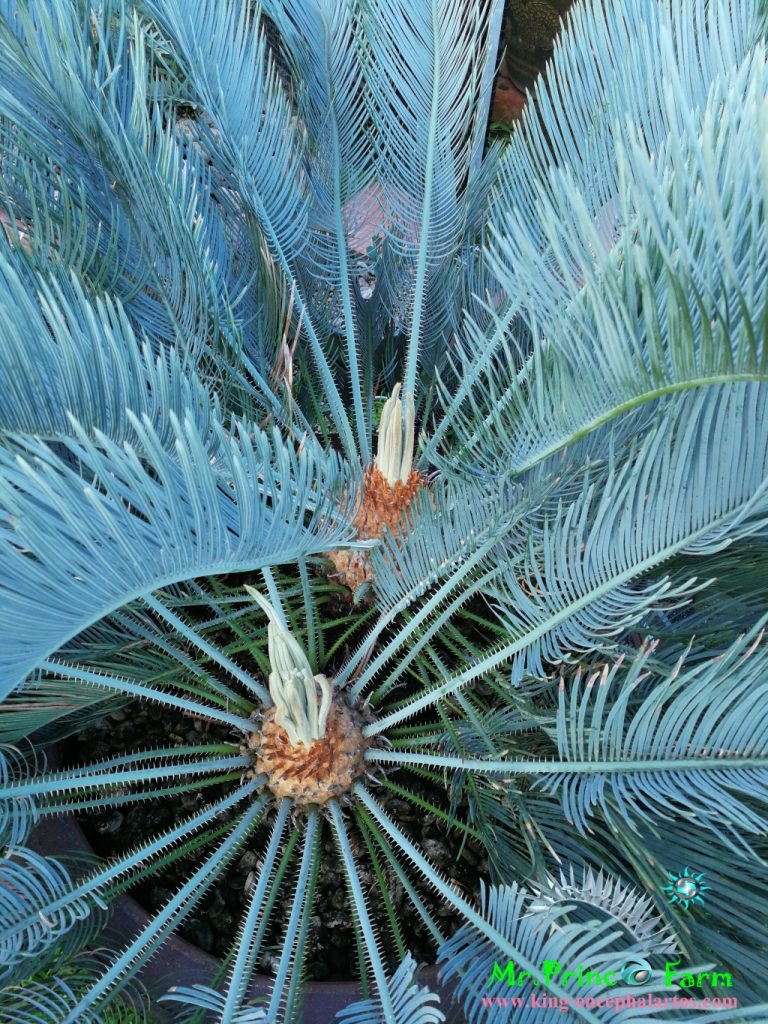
[(383, 506), (311, 774)]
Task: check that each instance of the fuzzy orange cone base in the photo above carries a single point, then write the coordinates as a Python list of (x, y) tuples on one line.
[(314, 773), (382, 507)]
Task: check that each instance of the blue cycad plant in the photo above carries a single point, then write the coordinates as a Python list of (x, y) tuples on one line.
[(277, 332)]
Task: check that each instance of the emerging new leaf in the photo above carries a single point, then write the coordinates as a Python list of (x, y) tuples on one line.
[(310, 751), (292, 686), (394, 459)]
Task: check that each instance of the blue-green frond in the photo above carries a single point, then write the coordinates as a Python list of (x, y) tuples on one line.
[(145, 775), (120, 967), (326, 54), (411, 1003), (78, 545), (223, 51), (203, 997), (255, 142), (646, 64), (425, 77), (49, 229), (321, 42), (49, 997), (69, 354), (658, 502), (460, 538), (600, 895), (673, 296), (59, 706), (697, 743), (287, 990), (86, 81), (27, 878), (543, 937), (451, 524), (18, 816), (607, 548), (67, 908)]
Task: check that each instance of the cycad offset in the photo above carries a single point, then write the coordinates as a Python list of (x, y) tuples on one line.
[(229, 230)]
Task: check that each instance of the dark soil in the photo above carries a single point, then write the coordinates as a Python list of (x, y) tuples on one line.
[(213, 924)]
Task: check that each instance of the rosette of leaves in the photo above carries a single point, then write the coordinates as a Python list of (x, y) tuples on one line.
[(216, 258)]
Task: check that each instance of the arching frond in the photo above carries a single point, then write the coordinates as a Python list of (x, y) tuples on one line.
[(693, 748), (27, 878), (75, 103), (659, 502), (700, 730), (51, 910), (203, 997), (411, 1003), (119, 968), (585, 576), (69, 355), (257, 144), (600, 895), (425, 75), (74, 551), (635, 256), (481, 970), (17, 817), (48, 999), (144, 775), (327, 53), (647, 68)]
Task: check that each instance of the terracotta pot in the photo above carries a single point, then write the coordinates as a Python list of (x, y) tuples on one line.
[(178, 962), (508, 101)]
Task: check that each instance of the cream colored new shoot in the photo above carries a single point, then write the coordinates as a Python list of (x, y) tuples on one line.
[(394, 458), (293, 688)]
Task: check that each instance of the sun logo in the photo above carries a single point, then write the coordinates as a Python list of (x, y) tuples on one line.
[(686, 888)]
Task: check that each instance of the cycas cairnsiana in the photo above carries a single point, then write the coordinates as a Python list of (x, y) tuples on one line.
[(580, 318)]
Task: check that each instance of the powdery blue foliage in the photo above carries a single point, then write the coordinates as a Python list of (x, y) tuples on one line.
[(229, 230)]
